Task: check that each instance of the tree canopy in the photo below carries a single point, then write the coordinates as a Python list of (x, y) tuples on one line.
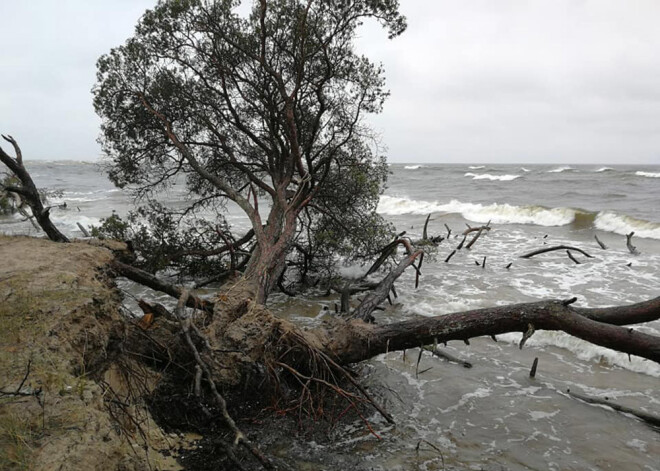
[(264, 111)]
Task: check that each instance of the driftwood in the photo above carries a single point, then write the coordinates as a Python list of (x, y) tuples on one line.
[(602, 245), (556, 247), (535, 364), (638, 313), (28, 191), (433, 240), (570, 255), (645, 416), (426, 225), (475, 229), (633, 250), (475, 238), (381, 292), (448, 356), (84, 231), (460, 246), (369, 341)]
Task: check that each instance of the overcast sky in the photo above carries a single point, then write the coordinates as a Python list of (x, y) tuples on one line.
[(552, 81)]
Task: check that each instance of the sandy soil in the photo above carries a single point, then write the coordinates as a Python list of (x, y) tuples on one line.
[(60, 314)]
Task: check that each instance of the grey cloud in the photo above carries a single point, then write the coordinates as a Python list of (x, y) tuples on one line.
[(471, 80)]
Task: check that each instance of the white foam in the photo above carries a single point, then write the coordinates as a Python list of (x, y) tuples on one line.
[(622, 224), (541, 415), (479, 393), (488, 176), (70, 219), (591, 352), (648, 174), (604, 169), (637, 444), (496, 213), (476, 167), (560, 169), (352, 271), (412, 167), (524, 169)]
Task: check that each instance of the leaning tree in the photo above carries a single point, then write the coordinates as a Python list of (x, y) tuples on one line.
[(265, 113)]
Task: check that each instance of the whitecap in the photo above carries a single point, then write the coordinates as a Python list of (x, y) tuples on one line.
[(488, 176), (648, 174), (560, 169), (587, 351), (69, 220), (412, 167), (622, 224), (524, 169), (604, 169), (496, 213), (476, 167)]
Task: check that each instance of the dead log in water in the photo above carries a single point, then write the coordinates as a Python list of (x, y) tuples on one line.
[(370, 340), (570, 255), (644, 416), (556, 247)]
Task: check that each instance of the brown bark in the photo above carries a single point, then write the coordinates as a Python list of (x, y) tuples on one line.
[(645, 311), (151, 281), (358, 341), (28, 191)]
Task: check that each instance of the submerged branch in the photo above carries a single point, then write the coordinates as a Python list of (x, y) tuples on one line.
[(556, 247)]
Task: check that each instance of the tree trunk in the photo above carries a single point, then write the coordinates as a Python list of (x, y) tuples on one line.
[(356, 341), (28, 191), (269, 258)]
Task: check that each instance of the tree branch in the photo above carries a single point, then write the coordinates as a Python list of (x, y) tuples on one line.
[(545, 315)]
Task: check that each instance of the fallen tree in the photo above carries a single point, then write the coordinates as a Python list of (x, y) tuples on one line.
[(270, 108)]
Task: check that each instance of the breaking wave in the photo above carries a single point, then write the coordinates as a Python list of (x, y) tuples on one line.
[(622, 224), (497, 213), (412, 167), (502, 213), (68, 221), (476, 167), (560, 169), (524, 169), (488, 176), (604, 169), (648, 174)]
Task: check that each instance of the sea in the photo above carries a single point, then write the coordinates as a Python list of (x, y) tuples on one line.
[(492, 416)]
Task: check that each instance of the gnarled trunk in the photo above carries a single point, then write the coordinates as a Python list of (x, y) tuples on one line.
[(269, 258)]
